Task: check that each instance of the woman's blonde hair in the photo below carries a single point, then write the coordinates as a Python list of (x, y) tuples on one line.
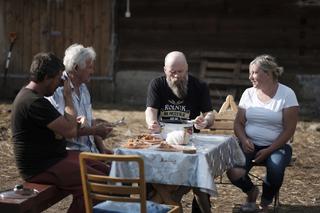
[(268, 63)]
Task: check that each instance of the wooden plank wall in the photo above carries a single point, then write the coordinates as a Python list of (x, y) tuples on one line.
[(53, 25), (286, 28)]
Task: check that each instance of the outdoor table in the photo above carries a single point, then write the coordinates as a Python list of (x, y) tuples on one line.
[(215, 154)]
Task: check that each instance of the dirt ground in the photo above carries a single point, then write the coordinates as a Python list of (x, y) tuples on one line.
[(299, 193)]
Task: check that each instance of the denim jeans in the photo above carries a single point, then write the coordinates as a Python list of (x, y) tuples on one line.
[(275, 164)]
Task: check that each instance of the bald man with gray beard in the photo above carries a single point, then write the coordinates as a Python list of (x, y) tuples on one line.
[(178, 96)]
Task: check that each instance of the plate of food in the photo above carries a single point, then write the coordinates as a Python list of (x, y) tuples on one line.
[(164, 146), (142, 141), (136, 144), (152, 139)]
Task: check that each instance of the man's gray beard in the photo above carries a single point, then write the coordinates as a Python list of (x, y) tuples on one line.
[(179, 88)]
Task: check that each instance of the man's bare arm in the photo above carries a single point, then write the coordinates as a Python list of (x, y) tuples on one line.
[(66, 125)]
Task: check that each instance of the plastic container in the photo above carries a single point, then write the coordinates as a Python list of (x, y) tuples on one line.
[(18, 192), (187, 128)]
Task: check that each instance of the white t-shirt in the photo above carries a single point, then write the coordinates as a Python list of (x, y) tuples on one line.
[(264, 120)]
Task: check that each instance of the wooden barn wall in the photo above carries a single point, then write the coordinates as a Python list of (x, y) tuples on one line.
[(53, 25), (289, 29)]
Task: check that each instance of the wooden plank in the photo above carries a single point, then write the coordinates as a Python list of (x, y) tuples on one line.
[(44, 27), (203, 68), (87, 21), (68, 26), (219, 74), (17, 53), (48, 195), (27, 34), (77, 26), (10, 17), (226, 81), (228, 55), (35, 27), (52, 28), (229, 115), (227, 125), (105, 37), (3, 39), (221, 65), (217, 131), (58, 27), (97, 8)]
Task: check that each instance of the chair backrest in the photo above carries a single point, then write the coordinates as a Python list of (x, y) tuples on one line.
[(224, 119), (104, 187)]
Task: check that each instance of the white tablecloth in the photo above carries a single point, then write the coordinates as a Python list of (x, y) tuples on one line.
[(215, 154)]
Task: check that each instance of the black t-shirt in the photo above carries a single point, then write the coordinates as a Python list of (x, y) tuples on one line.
[(35, 145), (161, 97)]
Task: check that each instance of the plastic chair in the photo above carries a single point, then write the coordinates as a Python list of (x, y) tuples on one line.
[(119, 194)]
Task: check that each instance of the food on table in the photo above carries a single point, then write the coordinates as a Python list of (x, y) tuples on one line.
[(142, 141), (165, 145), (136, 144), (149, 138)]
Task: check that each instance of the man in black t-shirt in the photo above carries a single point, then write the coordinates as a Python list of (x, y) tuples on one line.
[(179, 96), (38, 131)]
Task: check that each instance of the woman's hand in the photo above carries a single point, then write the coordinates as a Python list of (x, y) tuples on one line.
[(262, 155), (247, 146)]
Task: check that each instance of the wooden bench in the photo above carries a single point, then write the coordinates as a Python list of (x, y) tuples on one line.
[(48, 195), (225, 73)]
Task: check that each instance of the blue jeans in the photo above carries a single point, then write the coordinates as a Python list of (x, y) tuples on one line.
[(275, 164)]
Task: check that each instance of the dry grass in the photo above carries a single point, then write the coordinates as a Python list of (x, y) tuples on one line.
[(299, 193)]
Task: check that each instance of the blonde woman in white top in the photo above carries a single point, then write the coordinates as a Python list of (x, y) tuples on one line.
[(265, 122)]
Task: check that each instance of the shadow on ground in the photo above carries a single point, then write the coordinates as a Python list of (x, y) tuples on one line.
[(286, 208)]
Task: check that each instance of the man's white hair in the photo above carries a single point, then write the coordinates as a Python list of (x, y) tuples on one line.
[(77, 55)]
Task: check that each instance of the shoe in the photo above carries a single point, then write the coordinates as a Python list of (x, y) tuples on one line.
[(263, 209), (264, 205), (248, 207)]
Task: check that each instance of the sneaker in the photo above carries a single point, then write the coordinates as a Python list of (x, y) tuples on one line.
[(263, 209), (248, 207)]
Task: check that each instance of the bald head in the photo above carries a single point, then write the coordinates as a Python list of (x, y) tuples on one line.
[(175, 58), (176, 70)]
